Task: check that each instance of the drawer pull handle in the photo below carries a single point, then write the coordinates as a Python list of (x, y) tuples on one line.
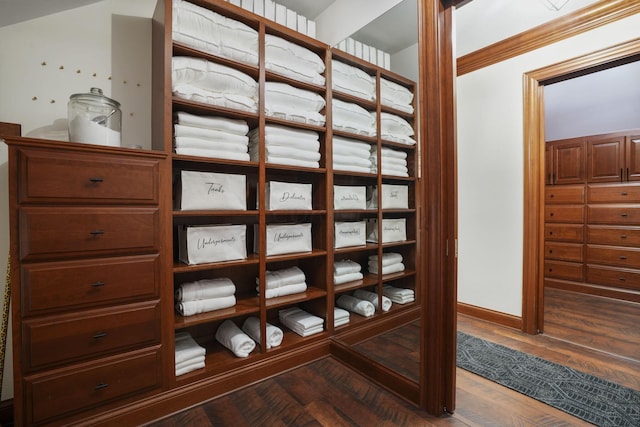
[(622, 257), (96, 179), (624, 215), (101, 385), (622, 279), (551, 233), (624, 236), (624, 193), (551, 196), (96, 232), (550, 251), (551, 214), (96, 284), (99, 335), (550, 270)]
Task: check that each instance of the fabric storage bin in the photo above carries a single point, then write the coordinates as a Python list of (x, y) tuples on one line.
[(393, 230), (393, 197), (286, 239), (212, 243), (351, 233), (209, 190), (349, 197), (288, 196)]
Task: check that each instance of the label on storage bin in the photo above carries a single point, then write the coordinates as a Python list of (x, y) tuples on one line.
[(349, 197), (393, 197), (352, 233), (287, 239), (288, 196), (209, 190), (393, 230), (213, 243)]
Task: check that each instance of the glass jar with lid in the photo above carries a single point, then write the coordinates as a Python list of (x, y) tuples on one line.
[(94, 119)]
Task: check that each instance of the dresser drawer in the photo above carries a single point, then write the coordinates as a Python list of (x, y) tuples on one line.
[(87, 386), (564, 251), (621, 193), (564, 232), (613, 276), (67, 285), (64, 176), (564, 270), (61, 339), (614, 214), (613, 255), (561, 213), (617, 236), (83, 232), (566, 194)]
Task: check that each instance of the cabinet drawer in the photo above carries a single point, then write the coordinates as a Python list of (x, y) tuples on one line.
[(616, 193), (564, 232), (83, 232), (64, 176), (612, 276), (614, 214), (613, 255), (564, 251), (55, 340), (563, 213), (66, 285), (617, 236), (88, 386), (564, 270), (567, 194)]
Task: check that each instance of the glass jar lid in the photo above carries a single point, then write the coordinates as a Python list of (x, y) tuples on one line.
[(95, 96)]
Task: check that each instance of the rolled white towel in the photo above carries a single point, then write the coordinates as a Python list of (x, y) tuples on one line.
[(224, 124), (346, 266), (252, 327), (190, 308), (187, 348), (389, 269), (373, 299), (284, 276), (339, 279), (205, 289), (355, 305), (283, 290), (388, 258), (232, 337)]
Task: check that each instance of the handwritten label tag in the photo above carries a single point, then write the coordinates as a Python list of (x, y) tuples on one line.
[(210, 190), (212, 243), (288, 238), (393, 230), (349, 197), (288, 196), (352, 233)]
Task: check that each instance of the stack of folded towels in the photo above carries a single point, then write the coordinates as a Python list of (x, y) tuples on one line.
[(372, 297), (217, 137), (340, 317), (205, 295), (396, 96), (391, 263), (395, 128), (393, 162), (252, 327), (352, 80), (286, 102), (398, 295), (232, 337), (352, 118), (346, 271), (286, 145), (351, 155), (301, 322), (189, 355), (282, 282), (356, 305)]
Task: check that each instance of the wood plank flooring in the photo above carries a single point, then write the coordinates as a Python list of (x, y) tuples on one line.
[(326, 393)]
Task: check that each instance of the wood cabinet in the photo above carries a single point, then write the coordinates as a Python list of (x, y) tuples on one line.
[(566, 161)]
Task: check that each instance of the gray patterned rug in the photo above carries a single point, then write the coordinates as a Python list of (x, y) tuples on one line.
[(592, 399)]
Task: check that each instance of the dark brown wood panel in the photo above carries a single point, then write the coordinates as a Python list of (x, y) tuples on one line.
[(564, 251), (564, 232), (564, 213), (605, 159), (613, 193), (613, 255), (614, 214), (564, 194), (633, 157), (569, 159), (564, 270), (613, 235), (626, 278)]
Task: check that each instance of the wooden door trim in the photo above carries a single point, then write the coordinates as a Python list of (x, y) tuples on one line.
[(534, 155)]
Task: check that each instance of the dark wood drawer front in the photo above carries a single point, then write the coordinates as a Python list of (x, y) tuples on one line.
[(564, 251), (567, 194), (613, 255), (88, 386), (623, 193), (563, 270), (612, 276), (617, 214), (617, 236), (571, 214), (82, 232), (67, 285), (54, 340), (564, 232), (59, 177)]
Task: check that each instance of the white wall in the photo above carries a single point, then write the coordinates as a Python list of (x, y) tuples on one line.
[(490, 167)]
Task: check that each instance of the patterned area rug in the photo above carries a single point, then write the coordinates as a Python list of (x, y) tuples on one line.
[(592, 399)]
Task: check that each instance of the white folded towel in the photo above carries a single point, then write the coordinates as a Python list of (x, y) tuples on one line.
[(346, 152), (212, 153), (190, 308), (301, 322), (389, 269), (252, 327), (223, 124), (205, 289), (283, 290), (193, 365), (352, 168), (284, 276), (312, 145), (187, 348), (339, 279), (198, 132), (286, 131), (236, 102), (373, 299), (291, 162), (351, 144), (288, 152), (394, 172), (351, 160), (232, 337), (398, 295), (340, 317), (210, 144), (356, 305), (390, 152), (388, 258), (346, 266), (389, 161)]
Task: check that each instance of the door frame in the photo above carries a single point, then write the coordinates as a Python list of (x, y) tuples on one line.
[(534, 157)]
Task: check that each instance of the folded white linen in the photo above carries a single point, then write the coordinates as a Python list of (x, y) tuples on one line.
[(187, 348), (351, 160), (398, 295), (235, 102), (340, 322), (390, 152), (394, 172), (211, 134), (285, 112), (284, 97), (339, 150), (346, 266), (352, 118), (402, 139), (356, 305), (282, 277), (373, 299), (190, 308), (205, 289), (190, 142), (352, 80), (190, 367), (271, 140), (212, 153), (340, 317), (301, 322), (212, 77), (283, 290), (252, 328), (196, 359), (393, 124), (353, 168), (278, 130), (306, 332), (389, 161), (292, 60), (388, 258), (223, 124), (350, 144), (291, 162), (393, 268), (392, 92), (402, 300), (288, 152), (339, 279), (232, 337)]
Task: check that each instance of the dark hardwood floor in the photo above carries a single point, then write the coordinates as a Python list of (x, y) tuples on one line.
[(326, 393)]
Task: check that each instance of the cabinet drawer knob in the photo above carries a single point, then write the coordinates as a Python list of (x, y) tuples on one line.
[(624, 236), (624, 215), (96, 232), (551, 196), (551, 233), (622, 279), (550, 251), (96, 179), (622, 257), (551, 214), (101, 385), (97, 284), (624, 193), (99, 335)]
